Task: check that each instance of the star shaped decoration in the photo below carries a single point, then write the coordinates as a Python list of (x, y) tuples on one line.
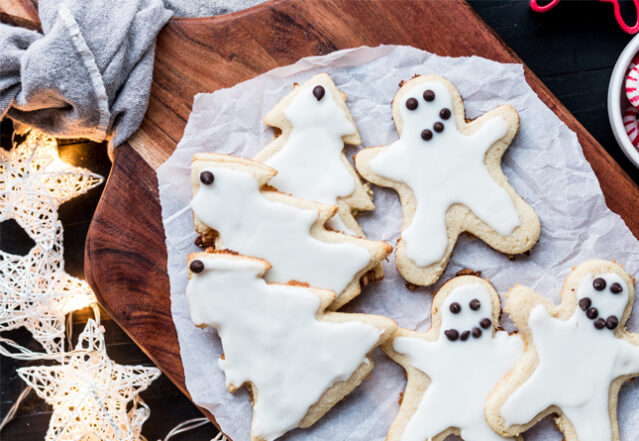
[(578, 355), (93, 398), (448, 175), (35, 291), (453, 368)]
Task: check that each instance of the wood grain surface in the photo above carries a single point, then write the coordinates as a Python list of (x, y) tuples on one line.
[(125, 254)]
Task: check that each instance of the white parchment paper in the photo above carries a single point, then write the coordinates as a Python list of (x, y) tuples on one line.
[(545, 165)]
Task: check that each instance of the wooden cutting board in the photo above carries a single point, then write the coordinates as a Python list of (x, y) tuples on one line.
[(125, 253)]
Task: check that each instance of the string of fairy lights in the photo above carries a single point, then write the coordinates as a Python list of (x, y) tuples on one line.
[(93, 398)]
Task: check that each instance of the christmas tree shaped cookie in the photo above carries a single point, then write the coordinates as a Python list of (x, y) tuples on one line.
[(449, 179), (453, 367), (578, 354), (297, 360), (308, 154), (235, 209)]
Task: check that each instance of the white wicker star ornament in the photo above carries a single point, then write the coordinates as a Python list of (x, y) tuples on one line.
[(35, 292), (93, 398)]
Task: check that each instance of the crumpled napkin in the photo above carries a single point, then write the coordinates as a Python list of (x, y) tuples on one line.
[(88, 75)]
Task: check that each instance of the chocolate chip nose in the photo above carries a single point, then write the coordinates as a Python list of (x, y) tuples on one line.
[(485, 323)]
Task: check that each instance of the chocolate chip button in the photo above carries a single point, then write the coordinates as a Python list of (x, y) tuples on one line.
[(455, 308), (485, 323), (474, 304), (599, 284), (451, 334), (476, 332), (411, 104), (429, 95), (427, 135), (592, 313), (600, 323), (438, 127), (318, 92), (585, 303), (206, 177), (612, 322), (444, 113), (615, 288), (196, 266), (464, 335)]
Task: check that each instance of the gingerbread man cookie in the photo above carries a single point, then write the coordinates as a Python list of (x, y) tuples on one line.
[(234, 208), (578, 354), (448, 175), (453, 367), (314, 123), (297, 360)]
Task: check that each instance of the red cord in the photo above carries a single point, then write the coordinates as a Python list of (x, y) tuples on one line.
[(547, 7), (617, 10)]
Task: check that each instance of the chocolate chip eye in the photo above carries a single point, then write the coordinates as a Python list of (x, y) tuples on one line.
[(455, 308), (444, 113), (411, 104), (592, 313), (206, 177), (476, 332), (451, 334), (196, 266), (599, 284), (600, 323), (427, 135), (438, 127), (429, 95), (464, 335), (615, 288), (474, 304), (318, 92), (485, 323), (585, 303), (612, 322)]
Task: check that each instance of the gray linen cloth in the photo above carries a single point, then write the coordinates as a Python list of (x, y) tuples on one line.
[(88, 75)]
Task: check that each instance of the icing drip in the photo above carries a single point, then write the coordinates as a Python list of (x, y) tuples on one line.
[(443, 167), (251, 224), (577, 363), (462, 373), (272, 339), (310, 165)]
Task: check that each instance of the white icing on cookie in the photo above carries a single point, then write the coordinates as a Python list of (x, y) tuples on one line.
[(251, 224), (462, 373), (272, 339), (310, 164), (445, 170), (577, 363)]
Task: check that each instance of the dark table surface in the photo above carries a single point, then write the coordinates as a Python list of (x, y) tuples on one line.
[(572, 49)]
